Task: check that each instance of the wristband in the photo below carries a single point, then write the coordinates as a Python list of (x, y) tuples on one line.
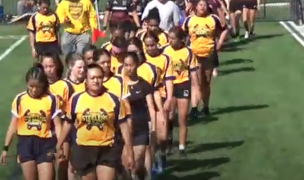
[(5, 148)]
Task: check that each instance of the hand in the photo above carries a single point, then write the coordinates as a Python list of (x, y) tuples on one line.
[(60, 157), (67, 20), (167, 105), (130, 157), (34, 53), (3, 157)]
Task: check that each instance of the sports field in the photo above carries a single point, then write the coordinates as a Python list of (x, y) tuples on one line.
[(256, 132)]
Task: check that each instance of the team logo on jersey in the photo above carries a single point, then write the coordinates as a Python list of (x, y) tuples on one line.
[(202, 31), (179, 66), (76, 9), (46, 26), (35, 120), (97, 119)]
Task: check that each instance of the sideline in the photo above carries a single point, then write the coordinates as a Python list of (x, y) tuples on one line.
[(293, 30), (12, 47)]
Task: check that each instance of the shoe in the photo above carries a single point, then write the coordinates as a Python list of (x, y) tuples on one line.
[(182, 153), (193, 114), (206, 111), (154, 172), (246, 36)]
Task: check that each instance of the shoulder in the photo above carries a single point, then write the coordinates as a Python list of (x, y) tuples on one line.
[(114, 98), (104, 45), (151, 3), (189, 17), (19, 96), (66, 82), (172, 4), (141, 32), (144, 82), (77, 95), (215, 17), (34, 16), (118, 78), (165, 47), (166, 57)]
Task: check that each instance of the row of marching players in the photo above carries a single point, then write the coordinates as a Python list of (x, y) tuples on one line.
[(114, 110)]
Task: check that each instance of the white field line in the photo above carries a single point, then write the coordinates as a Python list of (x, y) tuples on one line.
[(12, 47), (292, 32), (7, 37)]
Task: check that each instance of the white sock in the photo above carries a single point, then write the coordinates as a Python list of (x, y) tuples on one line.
[(181, 147)]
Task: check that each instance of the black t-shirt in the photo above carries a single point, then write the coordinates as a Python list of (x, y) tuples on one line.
[(139, 107), (120, 9)]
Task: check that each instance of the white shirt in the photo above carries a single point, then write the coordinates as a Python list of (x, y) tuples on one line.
[(168, 11)]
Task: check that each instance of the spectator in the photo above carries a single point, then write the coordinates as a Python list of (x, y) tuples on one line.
[(26, 6), (169, 13)]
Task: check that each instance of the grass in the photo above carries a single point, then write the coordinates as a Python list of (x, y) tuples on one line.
[(256, 129)]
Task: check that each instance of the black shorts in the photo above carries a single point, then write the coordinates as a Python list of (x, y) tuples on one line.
[(236, 5), (210, 62), (47, 47), (182, 90), (84, 159), (250, 4), (126, 25), (34, 148), (141, 139)]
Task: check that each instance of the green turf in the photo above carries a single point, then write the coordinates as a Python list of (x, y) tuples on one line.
[(256, 130)]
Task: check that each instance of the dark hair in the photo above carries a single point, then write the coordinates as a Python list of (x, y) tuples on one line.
[(153, 14), (136, 42), (134, 56), (94, 66), (70, 60), (40, 2), (151, 34), (117, 27), (100, 52), (179, 32), (196, 2), (36, 72), (88, 47), (120, 42), (57, 61)]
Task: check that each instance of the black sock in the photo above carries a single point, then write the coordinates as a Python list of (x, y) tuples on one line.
[(194, 109), (170, 126), (252, 29), (246, 26)]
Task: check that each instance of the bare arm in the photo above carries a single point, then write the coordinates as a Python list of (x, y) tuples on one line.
[(12, 130), (176, 13)]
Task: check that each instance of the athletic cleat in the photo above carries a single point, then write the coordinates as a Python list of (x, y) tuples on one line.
[(182, 153), (246, 36), (193, 114), (154, 172), (206, 111)]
